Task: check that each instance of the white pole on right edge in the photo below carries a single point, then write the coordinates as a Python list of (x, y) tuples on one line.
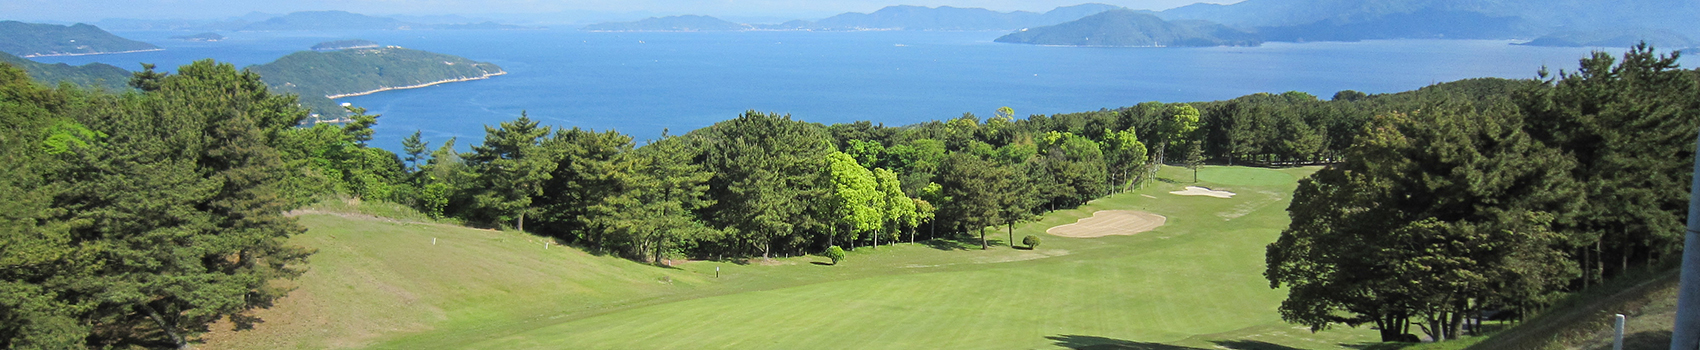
[(1617, 333), (1686, 334)]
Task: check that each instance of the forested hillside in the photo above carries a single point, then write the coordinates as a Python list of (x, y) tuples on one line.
[(34, 39), (94, 75)]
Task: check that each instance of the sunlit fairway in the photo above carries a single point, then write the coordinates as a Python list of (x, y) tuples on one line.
[(1193, 283)]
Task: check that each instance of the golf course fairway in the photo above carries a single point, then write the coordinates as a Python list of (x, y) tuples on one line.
[(1193, 282)]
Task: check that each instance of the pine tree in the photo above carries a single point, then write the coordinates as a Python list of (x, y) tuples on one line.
[(511, 166)]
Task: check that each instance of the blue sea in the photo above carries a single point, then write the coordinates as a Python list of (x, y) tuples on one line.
[(643, 83)]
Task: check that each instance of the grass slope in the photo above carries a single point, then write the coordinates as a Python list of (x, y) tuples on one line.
[(1583, 320), (1194, 283)]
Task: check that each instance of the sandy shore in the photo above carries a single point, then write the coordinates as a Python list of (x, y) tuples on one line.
[(485, 76), (87, 54)]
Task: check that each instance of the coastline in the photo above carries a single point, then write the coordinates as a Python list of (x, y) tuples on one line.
[(88, 54), (485, 76)]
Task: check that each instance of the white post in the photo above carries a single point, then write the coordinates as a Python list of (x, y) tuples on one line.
[(433, 240), (1685, 335), (1617, 333)]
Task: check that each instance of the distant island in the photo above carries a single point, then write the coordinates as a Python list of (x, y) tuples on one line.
[(1334, 20), (93, 75), (686, 23), (1614, 38), (209, 36), (888, 18), (1126, 28), (949, 18), (344, 44), (343, 20), (319, 76), (38, 40)]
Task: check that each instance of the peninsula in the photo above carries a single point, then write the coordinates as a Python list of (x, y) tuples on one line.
[(319, 76)]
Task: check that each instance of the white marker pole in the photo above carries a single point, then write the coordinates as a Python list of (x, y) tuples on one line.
[(1617, 333), (433, 240)]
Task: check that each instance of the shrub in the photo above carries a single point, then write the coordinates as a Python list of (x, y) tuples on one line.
[(835, 253), (1031, 241)]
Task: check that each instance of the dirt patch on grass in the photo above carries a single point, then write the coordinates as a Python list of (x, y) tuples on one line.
[(1201, 191), (1110, 222)]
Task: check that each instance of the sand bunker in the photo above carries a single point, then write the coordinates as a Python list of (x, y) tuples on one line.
[(1110, 222), (1200, 191)]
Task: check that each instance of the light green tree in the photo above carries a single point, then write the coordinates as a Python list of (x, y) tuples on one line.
[(857, 200), (899, 210)]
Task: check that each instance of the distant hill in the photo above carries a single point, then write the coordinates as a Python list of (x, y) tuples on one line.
[(344, 44), (947, 18), (199, 37), (1295, 20), (1615, 38), (687, 23), (92, 75), (1134, 29), (33, 40), (320, 76)]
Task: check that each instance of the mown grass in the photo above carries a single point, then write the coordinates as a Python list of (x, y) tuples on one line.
[(1193, 283)]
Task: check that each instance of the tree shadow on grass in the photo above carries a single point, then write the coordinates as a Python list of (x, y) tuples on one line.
[(951, 244), (821, 263), (1251, 345), (1087, 342)]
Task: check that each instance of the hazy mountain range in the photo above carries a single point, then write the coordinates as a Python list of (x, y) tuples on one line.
[(306, 20), (1664, 22)]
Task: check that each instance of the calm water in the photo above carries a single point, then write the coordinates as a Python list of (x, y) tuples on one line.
[(641, 83)]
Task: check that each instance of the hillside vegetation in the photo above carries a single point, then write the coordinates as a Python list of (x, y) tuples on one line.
[(35, 39), (92, 75)]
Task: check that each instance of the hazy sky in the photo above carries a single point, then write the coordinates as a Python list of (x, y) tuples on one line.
[(90, 10)]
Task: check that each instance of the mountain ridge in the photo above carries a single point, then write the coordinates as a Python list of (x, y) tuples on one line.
[(1127, 28)]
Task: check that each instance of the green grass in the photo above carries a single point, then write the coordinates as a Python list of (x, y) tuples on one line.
[(1194, 283)]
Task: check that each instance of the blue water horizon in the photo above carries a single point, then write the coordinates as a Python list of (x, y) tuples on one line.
[(643, 83)]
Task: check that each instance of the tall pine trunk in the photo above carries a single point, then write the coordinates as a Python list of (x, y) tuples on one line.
[(168, 327), (983, 245)]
